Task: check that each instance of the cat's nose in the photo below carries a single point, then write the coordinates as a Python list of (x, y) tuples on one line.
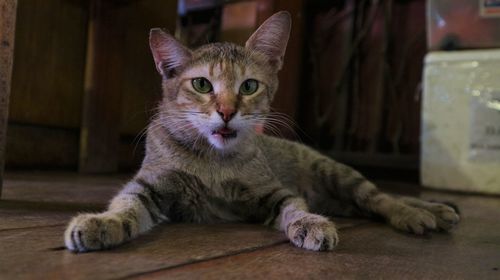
[(226, 113)]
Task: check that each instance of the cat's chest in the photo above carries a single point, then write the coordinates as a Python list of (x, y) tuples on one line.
[(217, 175)]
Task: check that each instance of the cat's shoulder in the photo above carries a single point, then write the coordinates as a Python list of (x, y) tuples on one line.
[(269, 143)]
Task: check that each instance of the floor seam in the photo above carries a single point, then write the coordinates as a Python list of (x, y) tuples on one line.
[(32, 227), (231, 254)]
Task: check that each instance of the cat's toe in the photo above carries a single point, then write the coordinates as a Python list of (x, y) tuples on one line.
[(313, 232), (414, 220), (89, 232), (446, 217)]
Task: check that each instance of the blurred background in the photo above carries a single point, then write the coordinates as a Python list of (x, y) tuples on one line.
[(406, 91), (84, 82)]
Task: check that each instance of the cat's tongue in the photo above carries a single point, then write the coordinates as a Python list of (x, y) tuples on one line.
[(225, 132)]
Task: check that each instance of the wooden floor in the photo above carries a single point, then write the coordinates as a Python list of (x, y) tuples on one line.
[(35, 208)]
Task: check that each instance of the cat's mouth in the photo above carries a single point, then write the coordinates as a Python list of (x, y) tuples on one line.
[(225, 133)]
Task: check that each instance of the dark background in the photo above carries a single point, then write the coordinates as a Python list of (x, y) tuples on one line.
[(84, 83)]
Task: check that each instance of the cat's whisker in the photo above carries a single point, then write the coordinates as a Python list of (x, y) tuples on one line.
[(143, 132), (276, 120), (138, 139), (273, 129), (190, 112), (284, 121), (294, 124)]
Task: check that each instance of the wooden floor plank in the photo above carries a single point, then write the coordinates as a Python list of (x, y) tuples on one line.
[(16, 214), (61, 187), (48, 198), (373, 251), (165, 246), (38, 205), (370, 252), (17, 219)]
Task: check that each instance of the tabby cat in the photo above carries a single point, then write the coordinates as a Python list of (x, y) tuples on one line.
[(206, 162)]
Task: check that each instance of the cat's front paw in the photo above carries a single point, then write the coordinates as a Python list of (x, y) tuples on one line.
[(89, 232), (313, 232), (446, 216)]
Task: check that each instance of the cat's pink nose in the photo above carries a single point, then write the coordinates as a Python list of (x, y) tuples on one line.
[(226, 113)]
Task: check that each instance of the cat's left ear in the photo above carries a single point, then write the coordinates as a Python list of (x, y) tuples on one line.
[(271, 38), (168, 53)]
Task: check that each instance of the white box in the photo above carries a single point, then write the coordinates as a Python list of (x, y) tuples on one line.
[(461, 121)]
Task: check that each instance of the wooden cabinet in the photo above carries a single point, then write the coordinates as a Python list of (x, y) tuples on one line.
[(83, 80)]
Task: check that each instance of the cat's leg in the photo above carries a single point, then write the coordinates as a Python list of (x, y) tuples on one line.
[(280, 207), (304, 229), (135, 210), (340, 182)]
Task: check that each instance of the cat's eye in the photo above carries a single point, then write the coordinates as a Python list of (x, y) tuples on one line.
[(201, 85), (249, 87)]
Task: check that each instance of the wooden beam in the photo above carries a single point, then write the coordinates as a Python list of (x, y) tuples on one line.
[(7, 28), (288, 95), (120, 80), (102, 98), (47, 76)]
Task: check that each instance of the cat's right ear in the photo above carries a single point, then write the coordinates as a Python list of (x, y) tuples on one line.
[(168, 53)]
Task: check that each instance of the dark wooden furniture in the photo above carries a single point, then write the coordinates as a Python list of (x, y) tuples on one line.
[(7, 27)]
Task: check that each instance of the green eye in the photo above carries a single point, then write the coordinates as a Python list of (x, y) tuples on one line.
[(249, 87), (201, 85)]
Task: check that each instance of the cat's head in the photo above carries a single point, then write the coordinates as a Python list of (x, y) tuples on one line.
[(220, 92)]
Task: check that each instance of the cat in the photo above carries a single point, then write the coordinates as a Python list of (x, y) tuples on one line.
[(205, 162)]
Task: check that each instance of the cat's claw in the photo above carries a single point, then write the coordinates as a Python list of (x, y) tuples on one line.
[(313, 232)]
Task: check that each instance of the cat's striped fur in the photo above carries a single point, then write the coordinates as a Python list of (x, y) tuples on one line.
[(194, 172)]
